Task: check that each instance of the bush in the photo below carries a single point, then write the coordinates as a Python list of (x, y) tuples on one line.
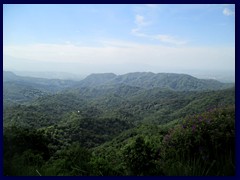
[(208, 139)]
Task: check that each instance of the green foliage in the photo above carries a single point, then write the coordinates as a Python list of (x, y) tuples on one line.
[(205, 142), (24, 151), (179, 82), (40, 84), (97, 79), (73, 161), (107, 166), (140, 158), (134, 124), (18, 93), (123, 102), (16, 140)]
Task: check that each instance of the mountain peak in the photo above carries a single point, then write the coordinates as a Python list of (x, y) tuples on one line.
[(97, 79)]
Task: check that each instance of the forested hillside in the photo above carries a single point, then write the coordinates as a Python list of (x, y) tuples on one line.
[(148, 80), (134, 124), (46, 85)]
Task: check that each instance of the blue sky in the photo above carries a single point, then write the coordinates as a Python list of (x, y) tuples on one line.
[(119, 38)]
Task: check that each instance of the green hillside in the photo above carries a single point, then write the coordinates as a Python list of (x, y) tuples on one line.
[(118, 125)]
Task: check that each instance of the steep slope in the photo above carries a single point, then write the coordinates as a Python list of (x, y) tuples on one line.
[(207, 138), (97, 79), (9, 76)]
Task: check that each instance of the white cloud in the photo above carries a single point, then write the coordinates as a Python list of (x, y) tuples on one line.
[(141, 23), (170, 39), (136, 32), (160, 37), (140, 20), (228, 12), (115, 56)]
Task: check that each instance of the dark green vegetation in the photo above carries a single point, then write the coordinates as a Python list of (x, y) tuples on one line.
[(133, 124)]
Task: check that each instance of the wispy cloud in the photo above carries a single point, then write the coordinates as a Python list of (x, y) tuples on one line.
[(228, 12), (136, 32), (160, 37), (142, 23), (170, 39), (140, 20)]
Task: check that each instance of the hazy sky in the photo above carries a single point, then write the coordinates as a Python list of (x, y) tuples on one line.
[(119, 38)]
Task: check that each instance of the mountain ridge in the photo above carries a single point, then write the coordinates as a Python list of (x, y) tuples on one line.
[(146, 80)]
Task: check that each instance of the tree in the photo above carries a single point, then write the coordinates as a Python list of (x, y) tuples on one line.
[(140, 158)]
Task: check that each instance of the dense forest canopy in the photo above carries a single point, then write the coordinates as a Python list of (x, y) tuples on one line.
[(138, 123)]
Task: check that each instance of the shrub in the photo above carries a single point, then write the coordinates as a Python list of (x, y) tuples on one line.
[(205, 138)]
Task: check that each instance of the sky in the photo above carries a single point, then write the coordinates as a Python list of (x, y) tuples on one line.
[(84, 39)]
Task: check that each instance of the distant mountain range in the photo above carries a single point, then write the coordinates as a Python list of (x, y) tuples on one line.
[(146, 80), (50, 85), (50, 75)]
